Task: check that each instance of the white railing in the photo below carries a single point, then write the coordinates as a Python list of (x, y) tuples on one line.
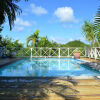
[(50, 52), (46, 52), (94, 52)]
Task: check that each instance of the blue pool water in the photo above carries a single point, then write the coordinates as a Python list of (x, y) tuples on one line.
[(44, 67)]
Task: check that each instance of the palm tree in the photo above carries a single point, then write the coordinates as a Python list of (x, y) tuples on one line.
[(34, 38), (97, 17), (8, 8), (97, 25), (97, 32), (89, 31)]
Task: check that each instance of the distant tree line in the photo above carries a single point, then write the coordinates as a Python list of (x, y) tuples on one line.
[(34, 40)]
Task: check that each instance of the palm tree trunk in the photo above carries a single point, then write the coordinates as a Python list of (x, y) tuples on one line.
[(93, 43), (98, 43)]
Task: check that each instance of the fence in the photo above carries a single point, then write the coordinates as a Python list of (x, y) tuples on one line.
[(50, 52), (94, 52), (46, 52)]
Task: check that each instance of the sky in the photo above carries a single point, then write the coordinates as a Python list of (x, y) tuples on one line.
[(59, 20)]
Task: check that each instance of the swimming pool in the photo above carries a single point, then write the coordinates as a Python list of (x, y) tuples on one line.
[(47, 67)]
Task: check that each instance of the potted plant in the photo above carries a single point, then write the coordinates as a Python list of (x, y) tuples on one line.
[(77, 54)]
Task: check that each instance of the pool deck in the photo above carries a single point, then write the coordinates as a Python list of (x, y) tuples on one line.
[(92, 63), (90, 60), (49, 89)]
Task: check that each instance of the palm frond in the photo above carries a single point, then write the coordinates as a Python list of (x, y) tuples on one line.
[(34, 38), (97, 18), (89, 32), (10, 9), (27, 41)]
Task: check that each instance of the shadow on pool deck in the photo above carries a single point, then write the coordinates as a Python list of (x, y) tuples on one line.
[(25, 88)]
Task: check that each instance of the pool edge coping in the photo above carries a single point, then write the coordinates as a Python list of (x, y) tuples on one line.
[(13, 60), (72, 77)]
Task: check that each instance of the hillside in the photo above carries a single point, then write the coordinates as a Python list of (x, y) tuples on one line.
[(75, 43)]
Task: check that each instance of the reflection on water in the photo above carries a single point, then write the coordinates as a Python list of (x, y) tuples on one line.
[(47, 67)]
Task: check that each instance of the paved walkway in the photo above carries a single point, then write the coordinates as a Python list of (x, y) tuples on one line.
[(91, 60), (88, 89), (49, 89)]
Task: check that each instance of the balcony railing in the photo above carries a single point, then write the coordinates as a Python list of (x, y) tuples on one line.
[(50, 52), (94, 52), (47, 52)]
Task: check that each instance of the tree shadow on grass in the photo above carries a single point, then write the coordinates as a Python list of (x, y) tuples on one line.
[(30, 88)]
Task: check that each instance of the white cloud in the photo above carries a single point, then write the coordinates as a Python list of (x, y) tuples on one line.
[(71, 39), (17, 28), (65, 14), (59, 39), (38, 10), (68, 26), (34, 23), (24, 14), (64, 40), (21, 22)]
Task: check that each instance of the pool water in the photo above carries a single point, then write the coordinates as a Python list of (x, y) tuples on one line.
[(47, 67)]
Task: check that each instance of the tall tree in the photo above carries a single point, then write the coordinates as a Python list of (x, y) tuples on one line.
[(34, 38), (97, 32), (97, 25), (89, 32), (8, 8), (44, 42)]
